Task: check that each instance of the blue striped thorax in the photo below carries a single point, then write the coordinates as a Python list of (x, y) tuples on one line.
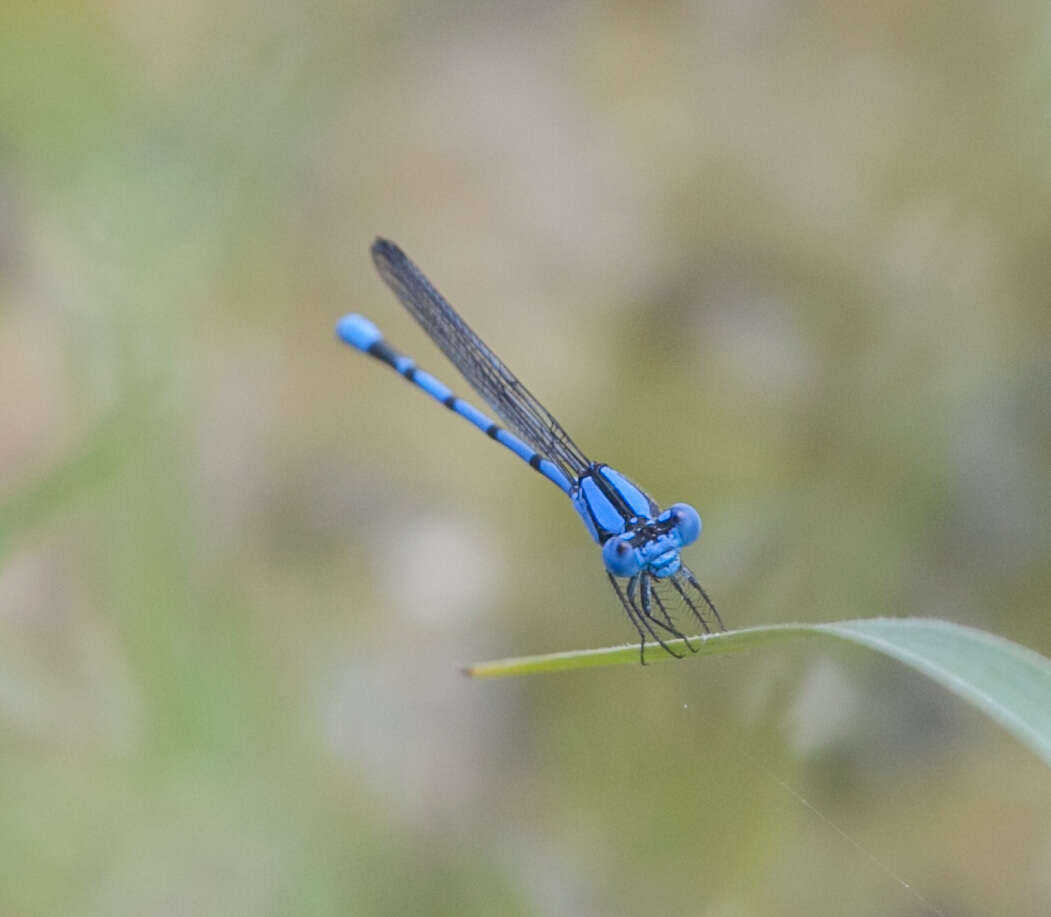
[(635, 535)]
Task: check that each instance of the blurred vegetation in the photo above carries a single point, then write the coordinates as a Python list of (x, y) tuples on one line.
[(785, 262)]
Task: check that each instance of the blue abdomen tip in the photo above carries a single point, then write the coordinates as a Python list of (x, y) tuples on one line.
[(358, 331)]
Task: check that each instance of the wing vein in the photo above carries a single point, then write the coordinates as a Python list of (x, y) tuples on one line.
[(523, 414)]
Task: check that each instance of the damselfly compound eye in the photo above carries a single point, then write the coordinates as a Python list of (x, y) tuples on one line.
[(687, 522), (620, 558)]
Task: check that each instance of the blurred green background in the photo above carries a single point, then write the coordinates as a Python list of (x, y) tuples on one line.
[(786, 261)]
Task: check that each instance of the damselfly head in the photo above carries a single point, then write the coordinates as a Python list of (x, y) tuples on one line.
[(653, 544)]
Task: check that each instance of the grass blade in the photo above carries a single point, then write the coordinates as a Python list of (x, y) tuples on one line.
[(1007, 682)]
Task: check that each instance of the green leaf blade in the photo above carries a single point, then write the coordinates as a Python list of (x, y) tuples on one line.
[(1009, 683)]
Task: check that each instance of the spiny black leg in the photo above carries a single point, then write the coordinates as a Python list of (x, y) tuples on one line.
[(663, 609), (648, 593), (667, 617), (704, 595), (646, 620), (689, 603), (632, 587), (631, 617)]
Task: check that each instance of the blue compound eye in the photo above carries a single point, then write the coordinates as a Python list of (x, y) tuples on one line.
[(687, 522), (620, 557)]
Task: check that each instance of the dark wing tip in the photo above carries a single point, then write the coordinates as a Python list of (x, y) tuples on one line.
[(386, 252)]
